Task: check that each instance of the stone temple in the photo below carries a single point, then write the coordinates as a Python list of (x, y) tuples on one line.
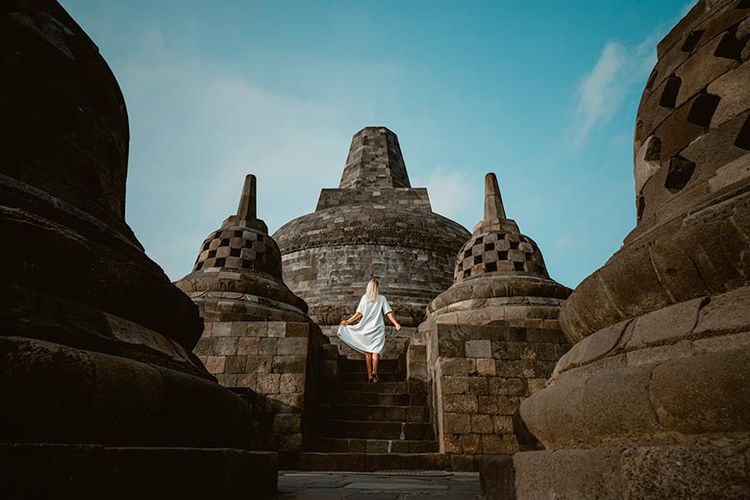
[(373, 225), (633, 385)]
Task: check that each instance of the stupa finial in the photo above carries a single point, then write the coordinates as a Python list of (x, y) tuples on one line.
[(247, 207), (493, 203)]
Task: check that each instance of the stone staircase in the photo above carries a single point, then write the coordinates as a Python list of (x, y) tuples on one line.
[(361, 426)]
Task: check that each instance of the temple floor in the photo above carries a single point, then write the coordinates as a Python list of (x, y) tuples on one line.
[(379, 485)]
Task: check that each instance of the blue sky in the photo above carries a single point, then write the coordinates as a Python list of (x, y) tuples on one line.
[(542, 93)]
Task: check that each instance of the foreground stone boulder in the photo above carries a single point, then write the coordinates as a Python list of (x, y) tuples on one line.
[(98, 382), (652, 400)]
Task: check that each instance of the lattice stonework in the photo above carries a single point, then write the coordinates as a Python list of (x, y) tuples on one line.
[(499, 252), (239, 249)]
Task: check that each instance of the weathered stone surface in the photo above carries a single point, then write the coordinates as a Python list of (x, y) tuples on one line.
[(703, 394), (660, 363), (576, 474), (95, 343)]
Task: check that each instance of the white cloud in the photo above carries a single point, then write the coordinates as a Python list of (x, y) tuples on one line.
[(197, 128), (618, 71), (452, 196)]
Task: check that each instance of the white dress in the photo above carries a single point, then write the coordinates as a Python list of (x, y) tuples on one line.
[(368, 335)]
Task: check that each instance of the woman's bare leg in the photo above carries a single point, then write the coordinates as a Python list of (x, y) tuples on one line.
[(368, 362), (375, 357)]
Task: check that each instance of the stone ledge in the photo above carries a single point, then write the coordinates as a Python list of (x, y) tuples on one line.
[(92, 471), (707, 470)]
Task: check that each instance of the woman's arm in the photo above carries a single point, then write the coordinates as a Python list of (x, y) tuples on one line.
[(392, 319), (355, 317)]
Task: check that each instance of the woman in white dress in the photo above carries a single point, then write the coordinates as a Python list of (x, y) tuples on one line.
[(368, 336)]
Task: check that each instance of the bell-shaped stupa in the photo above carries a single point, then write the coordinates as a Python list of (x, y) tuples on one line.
[(373, 225), (237, 275), (495, 269), (492, 338)]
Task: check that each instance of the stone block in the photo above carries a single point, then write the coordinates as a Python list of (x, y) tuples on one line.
[(478, 349), (704, 393), (481, 424), (417, 353), (471, 443), (456, 366), (516, 386), (276, 329), (478, 385), (284, 403), (664, 325), (215, 364), (488, 405), (292, 383), (452, 443), (617, 403), (267, 346), (497, 478), (297, 329), (458, 423), (502, 424), (221, 329), (255, 328), (204, 347), (268, 383), (726, 313), (568, 474), (225, 346), (697, 471), (235, 364), (486, 367), (248, 345), (293, 345), (454, 385), (289, 364), (248, 380), (259, 364), (497, 386), (491, 443), (460, 403)]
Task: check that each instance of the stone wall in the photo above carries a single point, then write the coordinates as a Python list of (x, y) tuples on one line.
[(480, 375), (268, 363)]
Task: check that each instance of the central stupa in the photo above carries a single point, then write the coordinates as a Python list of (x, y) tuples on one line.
[(373, 225)]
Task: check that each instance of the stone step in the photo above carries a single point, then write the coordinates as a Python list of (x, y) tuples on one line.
[(347, 445), (394, 413), (372, 430), (371, 462), (359, 366), (380, 387), (375, 398), (362, 377)]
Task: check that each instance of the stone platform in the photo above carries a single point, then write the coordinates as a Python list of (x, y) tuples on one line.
[(711, 470), (385, 486)]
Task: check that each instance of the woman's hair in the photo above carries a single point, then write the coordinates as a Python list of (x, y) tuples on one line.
[(372, 290)]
